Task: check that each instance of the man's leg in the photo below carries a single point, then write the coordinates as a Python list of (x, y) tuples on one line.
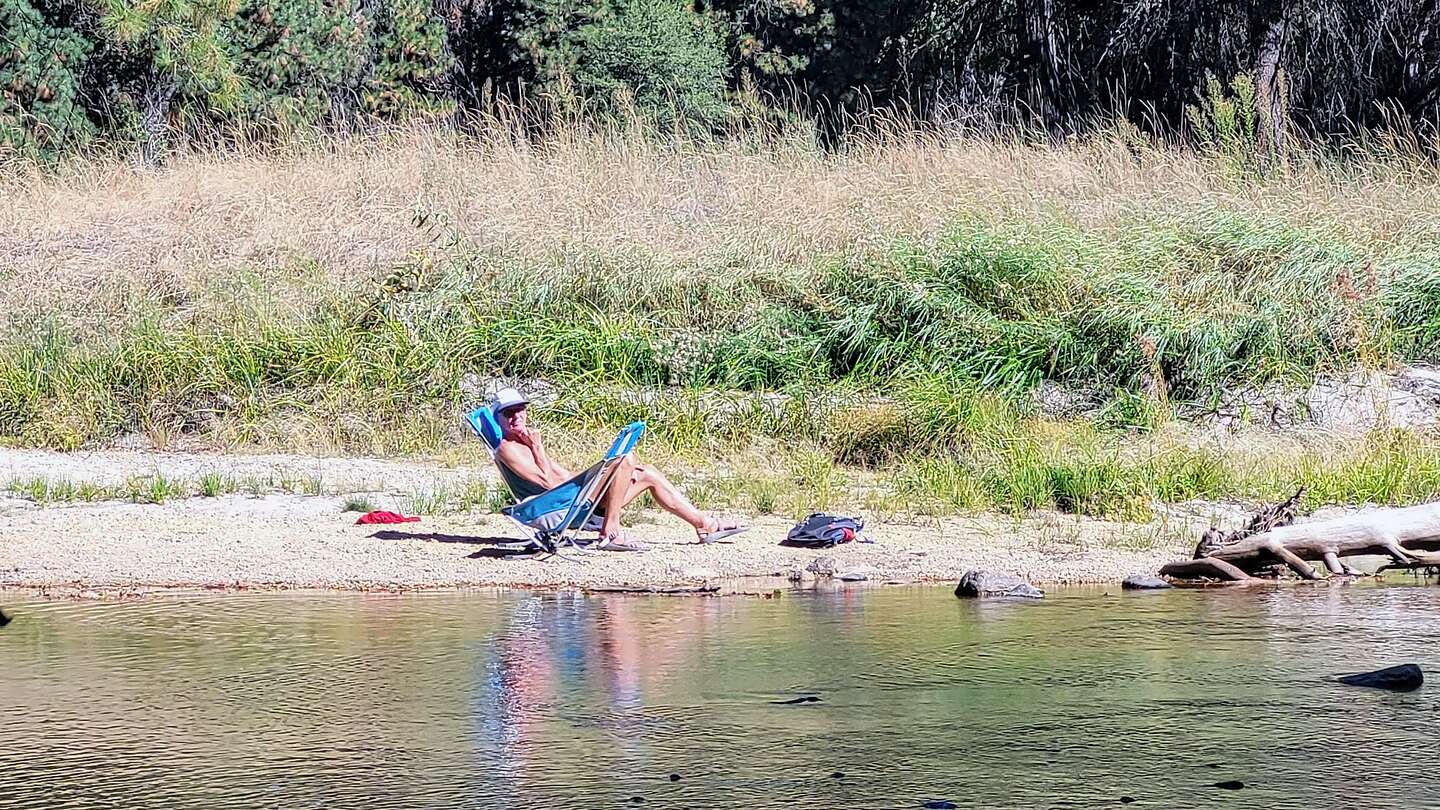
[(667, 496), (615, 499), (631, 480)]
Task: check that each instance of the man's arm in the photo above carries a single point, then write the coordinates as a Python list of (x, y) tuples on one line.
[(529, 461)]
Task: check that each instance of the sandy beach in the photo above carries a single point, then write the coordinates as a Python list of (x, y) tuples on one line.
[(285, 540)]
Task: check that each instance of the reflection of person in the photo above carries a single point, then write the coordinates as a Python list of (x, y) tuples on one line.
[(522, 450), (559, 652), (519, 680), (621, 653)]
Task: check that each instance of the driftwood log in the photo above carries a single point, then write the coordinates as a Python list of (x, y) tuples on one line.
[(1409, 536)]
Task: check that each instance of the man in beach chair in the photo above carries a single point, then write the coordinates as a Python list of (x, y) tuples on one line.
[(529, 470)]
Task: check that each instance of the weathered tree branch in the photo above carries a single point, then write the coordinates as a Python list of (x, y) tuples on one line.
[(1409, 536)]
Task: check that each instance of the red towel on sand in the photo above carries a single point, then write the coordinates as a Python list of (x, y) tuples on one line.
[(381, 516)]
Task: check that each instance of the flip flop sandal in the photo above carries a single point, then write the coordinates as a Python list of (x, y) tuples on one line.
[(716, 536), (614, 543)]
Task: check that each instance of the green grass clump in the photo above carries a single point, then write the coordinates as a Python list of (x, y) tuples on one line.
[(764, 494), (213, 484), (940, 486), (154, 488), (87, 492), (357, 503), (1393, 467), (44, 490), (1182, 473), (435, 500)]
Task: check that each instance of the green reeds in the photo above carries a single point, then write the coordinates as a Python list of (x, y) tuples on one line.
[(950, 332)]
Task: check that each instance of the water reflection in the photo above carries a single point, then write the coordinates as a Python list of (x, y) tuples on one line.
[(526, 700)]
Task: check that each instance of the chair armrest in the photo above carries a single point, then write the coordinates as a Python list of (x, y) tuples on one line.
[(626, 441)]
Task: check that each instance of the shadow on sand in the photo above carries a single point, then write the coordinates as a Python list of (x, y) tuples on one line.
[(469, 539)]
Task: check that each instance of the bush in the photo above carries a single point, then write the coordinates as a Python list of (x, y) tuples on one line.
[(657, 56)]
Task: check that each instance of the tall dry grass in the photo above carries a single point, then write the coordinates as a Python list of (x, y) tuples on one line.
[(91, 239), (903, 289)]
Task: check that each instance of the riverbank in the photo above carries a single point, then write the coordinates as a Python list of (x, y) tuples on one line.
[(887, 300), (296, 541), (278, 538)]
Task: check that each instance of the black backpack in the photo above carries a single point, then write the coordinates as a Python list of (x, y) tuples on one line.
[(823, 531)]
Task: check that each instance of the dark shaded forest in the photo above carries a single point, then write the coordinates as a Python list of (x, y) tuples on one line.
[(146, 75)]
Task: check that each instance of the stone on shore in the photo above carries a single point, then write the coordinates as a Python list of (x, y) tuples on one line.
[(1141, 582), (823, 567), (1402, 678), (979, 582)]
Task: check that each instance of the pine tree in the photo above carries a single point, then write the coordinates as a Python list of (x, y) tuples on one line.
[(411, 61), (299, 59), (41, 115), (660, 56)]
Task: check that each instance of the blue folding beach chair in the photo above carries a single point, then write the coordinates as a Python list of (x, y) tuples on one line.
[(552, 518)]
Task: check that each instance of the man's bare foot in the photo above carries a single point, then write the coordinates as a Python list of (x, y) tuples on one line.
[(614, 541), (717, 530)]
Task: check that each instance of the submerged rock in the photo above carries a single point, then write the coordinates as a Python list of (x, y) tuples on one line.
[(1140, 582), (979, 582), (1402, 678)]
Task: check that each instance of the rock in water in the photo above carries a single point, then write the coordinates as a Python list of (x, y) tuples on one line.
[(978, 582), (1230, 784), (1140, 582), (4, 620), (1404, 678), (822, 567)]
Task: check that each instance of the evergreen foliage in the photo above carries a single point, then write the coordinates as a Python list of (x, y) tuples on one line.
[(658, 56), (410, 63), (41, 113), (154, 72), (299, 57)]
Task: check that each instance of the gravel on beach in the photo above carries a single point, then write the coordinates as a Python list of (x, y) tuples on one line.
[(303, 541)]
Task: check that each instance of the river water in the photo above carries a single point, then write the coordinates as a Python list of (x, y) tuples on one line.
[(515, 699)]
